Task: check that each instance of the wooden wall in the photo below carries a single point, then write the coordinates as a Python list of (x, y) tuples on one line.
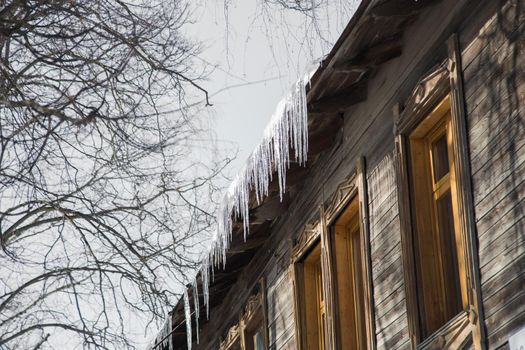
[(387, 266), (494, 74), (494, 71)]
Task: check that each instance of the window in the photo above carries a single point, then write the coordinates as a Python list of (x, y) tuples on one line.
[(250, 333), (348, 249), (438, 246), (254, 334), (314, 303)]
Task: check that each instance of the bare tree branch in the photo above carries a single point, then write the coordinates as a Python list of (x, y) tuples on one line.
[(105, 193)]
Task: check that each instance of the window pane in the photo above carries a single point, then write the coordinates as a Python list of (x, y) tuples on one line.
[(258, 340), (449, 256), (440, 157)]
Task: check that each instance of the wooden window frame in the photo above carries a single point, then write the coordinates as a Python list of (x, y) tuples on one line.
[(254, 313), (320, 233), (307, 241), (431, 90)]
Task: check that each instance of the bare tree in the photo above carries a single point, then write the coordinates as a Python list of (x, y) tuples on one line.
[(103, 198)]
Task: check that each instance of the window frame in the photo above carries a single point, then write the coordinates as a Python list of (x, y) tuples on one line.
[(253, 316), (320, 232), (444, 80)]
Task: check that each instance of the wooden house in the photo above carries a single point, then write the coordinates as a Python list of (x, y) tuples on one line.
[(406, 227)]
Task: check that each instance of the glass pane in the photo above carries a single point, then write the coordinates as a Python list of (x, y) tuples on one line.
[(258, 340), (440, 157), (449, 256)]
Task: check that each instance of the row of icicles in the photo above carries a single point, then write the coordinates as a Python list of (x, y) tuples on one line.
[(287, 130)]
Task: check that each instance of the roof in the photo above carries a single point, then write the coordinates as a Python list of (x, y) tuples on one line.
[(372, 37)]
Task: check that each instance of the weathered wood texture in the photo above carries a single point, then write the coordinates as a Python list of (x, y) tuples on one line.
[(494, 75), (387, 266)]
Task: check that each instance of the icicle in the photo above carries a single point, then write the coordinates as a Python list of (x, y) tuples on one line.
[(165, 331), (205, 273), (187, 314), (196, 306)]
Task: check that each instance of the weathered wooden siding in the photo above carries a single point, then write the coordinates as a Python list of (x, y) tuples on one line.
[(494, 72), (387, 266)]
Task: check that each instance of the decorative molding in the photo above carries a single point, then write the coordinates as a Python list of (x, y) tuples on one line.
[(344, 192), (252, 308), (304, 240), (231, 338), (431, 89)]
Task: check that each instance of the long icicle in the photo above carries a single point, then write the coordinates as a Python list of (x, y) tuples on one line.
[(187, 314)]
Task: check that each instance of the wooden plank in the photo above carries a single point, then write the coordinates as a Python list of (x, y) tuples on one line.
[(503, 321), (500, 200), (391, 257), (501, 167), (497, 222), (393, 298), (494, 66), (393, 315), (510, 238), (391, 281), (506, 275), (372, 56), (387, 236), (341, 100), (491, 15), (394, 336), (494, 35), (495, 99), (498, 301), (508, 256), (492, 131), (399, 7), (500, 336), (384, 214)]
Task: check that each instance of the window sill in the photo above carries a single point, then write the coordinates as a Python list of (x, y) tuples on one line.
[(455, 334)]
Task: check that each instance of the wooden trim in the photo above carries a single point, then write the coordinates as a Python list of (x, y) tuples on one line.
[(327, 262), (300, 322), (344, 193), (407, 238), (232, 336), (455, 334), (354, 185), (304, 242), (254, 313), (443, 80), (362, 191), (429, 91), (264, 305), (464, 190)]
